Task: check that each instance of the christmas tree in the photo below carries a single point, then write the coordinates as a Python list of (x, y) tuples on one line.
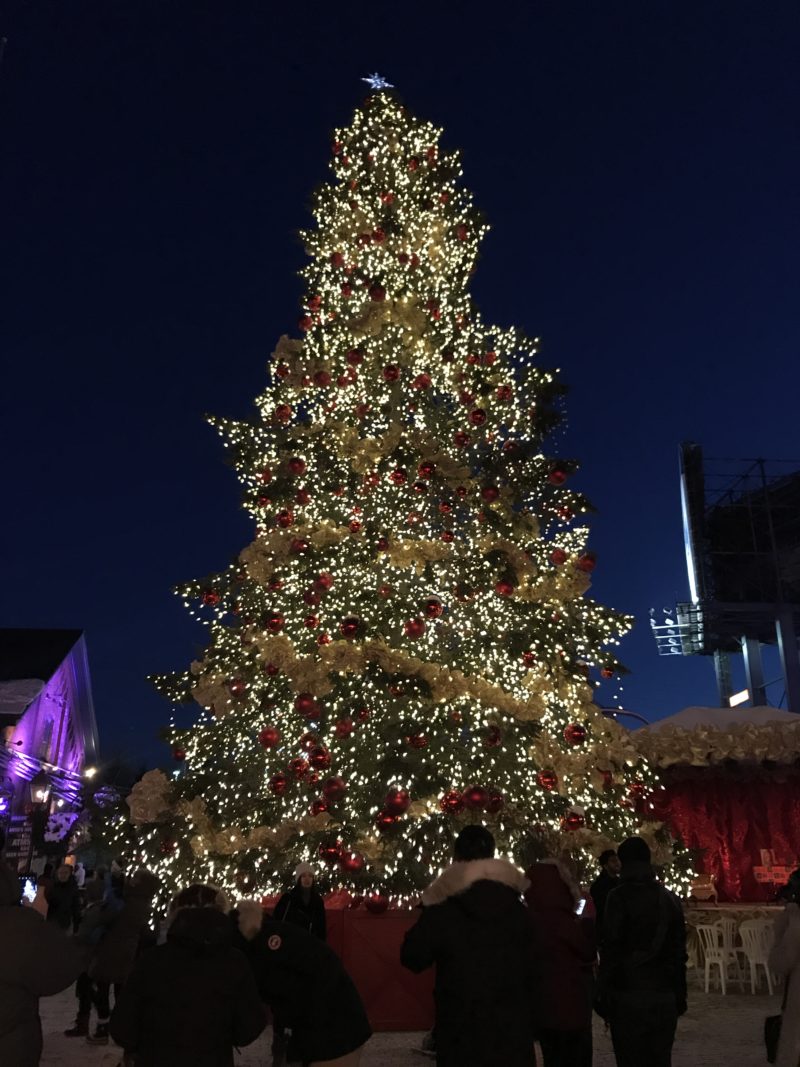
[(407, 644)]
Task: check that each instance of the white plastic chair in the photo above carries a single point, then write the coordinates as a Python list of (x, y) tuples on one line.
[(714, 953), (729, 929), (756, 935)]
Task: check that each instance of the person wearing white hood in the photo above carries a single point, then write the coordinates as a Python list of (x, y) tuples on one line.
[(476, 930)]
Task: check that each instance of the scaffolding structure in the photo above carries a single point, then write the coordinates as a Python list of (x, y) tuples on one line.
[(741, 521)]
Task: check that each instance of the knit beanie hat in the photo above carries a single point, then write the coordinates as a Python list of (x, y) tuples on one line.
[(301, 869)]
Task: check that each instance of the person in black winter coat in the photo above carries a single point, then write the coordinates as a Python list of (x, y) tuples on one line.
[(64, 899), (303, 905), (477, 931), (642, 978), (188, 1002), (607, 880), (36, 960), (305, 984)]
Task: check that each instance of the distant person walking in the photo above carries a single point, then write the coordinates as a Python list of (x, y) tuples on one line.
[(784, 959), (476, 930), (63, 899), (607, 879), (642, 977)]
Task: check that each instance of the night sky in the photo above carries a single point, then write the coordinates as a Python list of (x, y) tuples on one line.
[(638, 163)]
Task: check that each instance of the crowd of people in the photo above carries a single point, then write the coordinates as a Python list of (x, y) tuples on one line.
[(520, 957)]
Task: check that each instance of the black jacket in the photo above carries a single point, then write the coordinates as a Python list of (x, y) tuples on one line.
[(36, 960), (63, 903), (599, 889), (189, 1002), (476, 930), (305, 984), (310, 914), (643, 958)]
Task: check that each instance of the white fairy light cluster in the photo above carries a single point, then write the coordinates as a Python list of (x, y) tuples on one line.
[(407, 644)]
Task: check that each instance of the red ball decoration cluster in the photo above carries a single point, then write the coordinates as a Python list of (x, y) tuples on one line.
[(575, 733), (269, 737)]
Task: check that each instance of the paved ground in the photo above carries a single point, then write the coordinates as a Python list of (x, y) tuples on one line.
[(717, 1032)]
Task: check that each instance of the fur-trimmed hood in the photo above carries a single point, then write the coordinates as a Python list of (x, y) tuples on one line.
[(459, 877), (249, 918)]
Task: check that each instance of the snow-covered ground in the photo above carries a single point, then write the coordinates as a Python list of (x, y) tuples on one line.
[(717, 1032)]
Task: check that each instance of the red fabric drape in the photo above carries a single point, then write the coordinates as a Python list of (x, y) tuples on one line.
[(729, 814)]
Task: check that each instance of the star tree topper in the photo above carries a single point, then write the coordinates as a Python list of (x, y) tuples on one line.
[(377, 81)]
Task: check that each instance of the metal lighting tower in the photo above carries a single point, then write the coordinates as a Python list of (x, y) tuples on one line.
[(741, 525)]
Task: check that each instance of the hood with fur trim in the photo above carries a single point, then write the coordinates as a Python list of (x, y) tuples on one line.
[(459, 877), (249, 918)]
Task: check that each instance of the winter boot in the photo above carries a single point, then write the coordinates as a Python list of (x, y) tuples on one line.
[(100, 1035), (81, 1027)]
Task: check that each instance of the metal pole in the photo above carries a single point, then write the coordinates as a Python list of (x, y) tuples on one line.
[(790, 660), (754, 671), (722, 669)]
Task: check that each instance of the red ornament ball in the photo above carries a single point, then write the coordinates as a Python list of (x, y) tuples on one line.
[(296, 466), (283, 412), (426, 470), (504, 393), (573, 820), (398, 476), (311, 621), (452, 802), (308, 741), (334, 788), (299, 545), (376, 904), (362, 714), (168, 846), (210, 597), (448, 536), (586, 562), (422, 381), (418, 741), (377, 293), (349, 627), (495, 802), (607, 672), (302, 497), (323, 582), (277, 784), (320, 758), (397, 801), (354, 356), (269, 737), (433, 607), (575, 733), (504, 587), (529, 659), (179, 754), (318, 806), (329, 852), (461, 231), (297, 767), (414, 628), (391, 372), (461, 438), (307, 705), (343, 728), (490, 493), (274, 624), (558, 556), (557, 476), (493, 737), (285, 518), (475, 797), (351, 862), (238, 687), (547, 780), (477, 417), (385, 820)]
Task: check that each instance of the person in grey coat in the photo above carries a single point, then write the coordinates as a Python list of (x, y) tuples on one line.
[(36, 960)]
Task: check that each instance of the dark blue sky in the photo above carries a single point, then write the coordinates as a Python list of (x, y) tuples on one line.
[(638, 163)]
